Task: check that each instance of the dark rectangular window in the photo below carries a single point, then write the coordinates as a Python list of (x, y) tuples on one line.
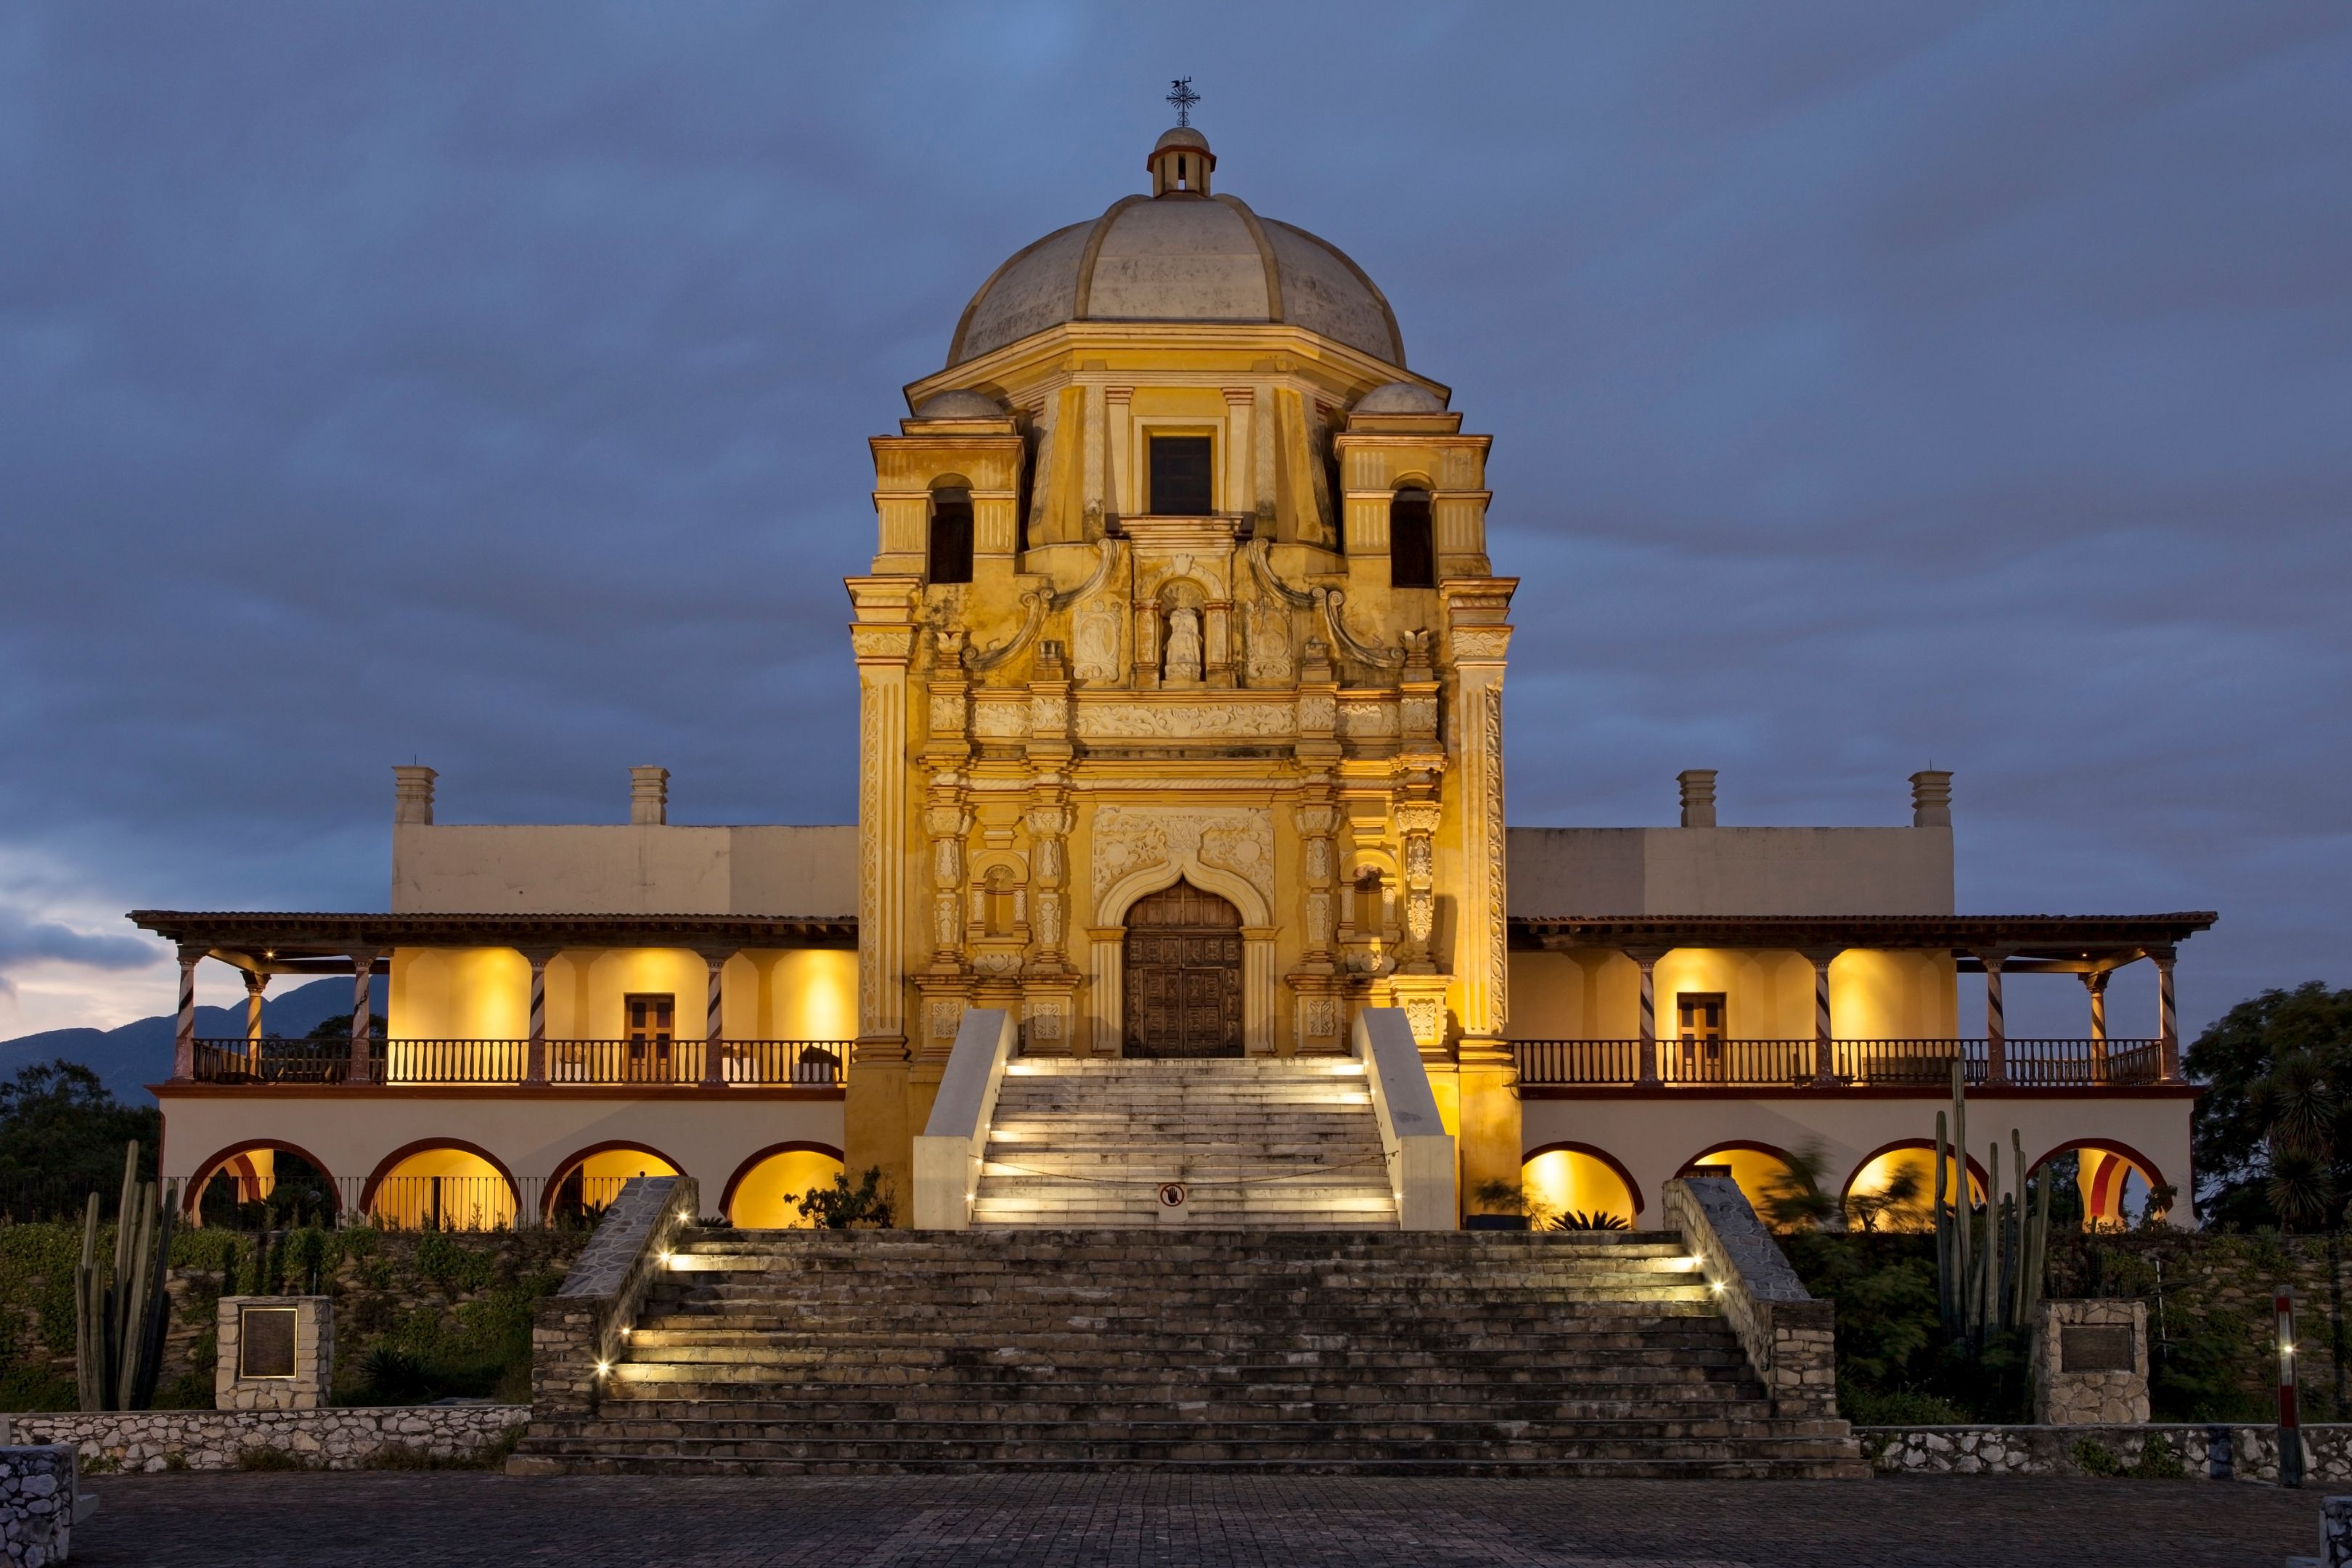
[(1412, 554), (1180, 477), (950, 554)]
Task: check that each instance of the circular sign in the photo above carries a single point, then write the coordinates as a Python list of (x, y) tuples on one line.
[(1171, 1195)]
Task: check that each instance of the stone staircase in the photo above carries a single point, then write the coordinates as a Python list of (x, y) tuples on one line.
[(1480, 1353), (1257, 1142)]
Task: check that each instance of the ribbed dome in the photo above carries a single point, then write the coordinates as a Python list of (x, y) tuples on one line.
[(1181, 257)]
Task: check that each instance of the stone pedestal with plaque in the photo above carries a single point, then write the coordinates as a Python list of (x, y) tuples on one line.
[(276, 1352), (2090, 1364)]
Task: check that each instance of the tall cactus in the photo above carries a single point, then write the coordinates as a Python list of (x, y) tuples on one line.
[(119, 1323), (1989, 1274)]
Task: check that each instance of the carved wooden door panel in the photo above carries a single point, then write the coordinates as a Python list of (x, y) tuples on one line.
[(1183, 979)]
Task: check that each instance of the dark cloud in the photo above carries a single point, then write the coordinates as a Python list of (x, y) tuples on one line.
[(47, 941), (1869, 384)]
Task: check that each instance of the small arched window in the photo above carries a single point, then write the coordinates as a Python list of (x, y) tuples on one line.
[(1412, 549), (951, 551)]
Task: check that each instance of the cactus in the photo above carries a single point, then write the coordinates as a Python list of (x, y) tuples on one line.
[(1988, 1273), (119, 1325)]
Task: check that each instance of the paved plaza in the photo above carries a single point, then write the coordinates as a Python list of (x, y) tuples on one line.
[(1283, 1522)]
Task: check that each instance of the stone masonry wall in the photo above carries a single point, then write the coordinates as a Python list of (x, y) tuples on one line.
[(2200, 1452), (350, 1439), (36, 1505), (1790, 1337)]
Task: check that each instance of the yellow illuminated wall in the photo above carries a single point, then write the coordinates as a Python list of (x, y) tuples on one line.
[(2102, 1175), (451, 1189), (810, 993), (459, 993), (1875, 1178), (1768, 995), (1892, 995), (763, 1199), (1565, 1180)]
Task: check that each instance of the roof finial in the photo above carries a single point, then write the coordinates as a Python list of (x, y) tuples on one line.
[(1181, 95)]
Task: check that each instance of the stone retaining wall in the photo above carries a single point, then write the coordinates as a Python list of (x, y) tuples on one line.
[(2203, 1452), (353, 1438), (37, 1506)]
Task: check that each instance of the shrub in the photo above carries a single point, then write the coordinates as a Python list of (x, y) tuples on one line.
[(2157, 1462), (1576, 1219), (1898, 1407), (844, 1207), (265, 1458), (2093, 1457)]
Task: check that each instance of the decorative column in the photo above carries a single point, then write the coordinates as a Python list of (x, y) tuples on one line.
[(1825, 1034), (534, 1061), (362, 987), (256, 983), (1241, 452), (884, 642), (183, 1036), (1417, 820), (1118, 405), (1478, 639), (1996, 1029), (1317, 819), (2095, 983), (2167, 1025), (1648, 961), (714, 1015)]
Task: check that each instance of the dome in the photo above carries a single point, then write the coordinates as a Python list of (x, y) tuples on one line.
[(1183, 256), (1400, 397), (960, 404)]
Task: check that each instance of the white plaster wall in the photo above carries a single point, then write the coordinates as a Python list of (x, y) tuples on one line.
[(622, 869), (706, 1137), (1653, 1139), (1730, 870)]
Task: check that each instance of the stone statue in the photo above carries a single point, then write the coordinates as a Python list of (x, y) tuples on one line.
[(1183, 645)]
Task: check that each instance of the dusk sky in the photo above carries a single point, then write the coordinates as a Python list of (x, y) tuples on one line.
[(1872, 387)]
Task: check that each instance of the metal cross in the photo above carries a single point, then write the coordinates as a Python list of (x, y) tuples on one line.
[(1183, 96)]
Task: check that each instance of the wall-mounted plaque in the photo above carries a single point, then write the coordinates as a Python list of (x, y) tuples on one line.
[(266, 1342), (2095, 1347)]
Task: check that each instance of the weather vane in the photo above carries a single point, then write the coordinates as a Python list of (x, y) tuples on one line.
[(1183, 96)]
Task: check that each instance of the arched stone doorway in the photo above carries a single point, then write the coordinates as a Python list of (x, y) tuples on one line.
[(1182, 981)]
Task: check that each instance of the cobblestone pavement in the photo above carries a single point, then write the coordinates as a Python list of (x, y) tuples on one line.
[(358, 1521)]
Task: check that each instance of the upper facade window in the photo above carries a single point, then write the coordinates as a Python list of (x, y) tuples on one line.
[(1180, 477), (1412, 549), (951, 545)]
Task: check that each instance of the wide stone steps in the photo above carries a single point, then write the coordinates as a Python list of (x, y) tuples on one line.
[(1106, 1348)]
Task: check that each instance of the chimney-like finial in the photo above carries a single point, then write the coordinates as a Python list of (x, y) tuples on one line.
[(1698, 796), (648, 796), (412, 795), (1931, 798)]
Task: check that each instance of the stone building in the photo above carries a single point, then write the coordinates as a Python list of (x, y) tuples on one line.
[(1181, 670)]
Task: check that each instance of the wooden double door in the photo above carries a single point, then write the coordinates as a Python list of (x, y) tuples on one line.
[(1183, 975)]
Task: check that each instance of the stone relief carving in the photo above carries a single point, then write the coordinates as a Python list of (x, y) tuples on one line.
[(1426, 1014), (945, 1015), (1097, 640), (1367, 719), (1318, 711), (1238, 839), (1183, 645), (946, 713), (1481, 642), (1320, 1017), (995, 719), (1490, 744), (1268, 643), (1204, 721), (1045, 1020)]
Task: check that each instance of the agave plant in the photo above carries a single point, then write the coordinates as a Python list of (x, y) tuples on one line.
[(1576, 1219)]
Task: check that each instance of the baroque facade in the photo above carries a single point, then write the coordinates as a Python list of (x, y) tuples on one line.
[(1180, 666)]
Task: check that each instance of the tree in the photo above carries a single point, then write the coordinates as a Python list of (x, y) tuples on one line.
[(2274, 1130), (61, 1135)]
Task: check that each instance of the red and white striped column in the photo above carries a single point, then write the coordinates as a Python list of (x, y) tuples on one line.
[(1996, 1027), (1824, 1036), (534, 1067), (2167, 1024), (1649, 1063), (714, 1018), (362, 993)]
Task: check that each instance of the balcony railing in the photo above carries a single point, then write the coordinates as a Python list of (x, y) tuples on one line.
[(402, 1061), (1793, 1064)]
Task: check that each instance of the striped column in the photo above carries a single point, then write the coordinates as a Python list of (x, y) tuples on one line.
[(183, 1038), (256, 983), (1649, 963), (363, 984), (534, 1067), (2095, 983), (714, 1019), (1996, 1030), (1824, 1051), (2168, 1025)]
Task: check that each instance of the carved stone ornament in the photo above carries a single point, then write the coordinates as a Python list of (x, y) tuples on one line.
[(1481, 642), (945, 1015), (1045, 1020), (946, 713), (1268, 640), (1183, 645), (1183, 721), (1318, 711), (1367, 719), (1320, 1017), (997, 718), (1098, 640), (1238, 840), (1426, 1015)]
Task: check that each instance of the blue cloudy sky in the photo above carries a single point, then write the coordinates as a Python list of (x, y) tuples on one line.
[(488, 386)]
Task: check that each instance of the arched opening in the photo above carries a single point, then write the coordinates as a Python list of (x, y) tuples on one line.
[(765, 1194), (1413, 541), (1182, 984), (1761, 1172), (262, 1186), (585, 1186), (441, 1187), (1576, 1179), (2115, 1180), (951, 536), (1894, 1188)]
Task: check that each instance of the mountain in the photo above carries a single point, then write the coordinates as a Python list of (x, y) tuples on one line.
[(136, 1055)]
